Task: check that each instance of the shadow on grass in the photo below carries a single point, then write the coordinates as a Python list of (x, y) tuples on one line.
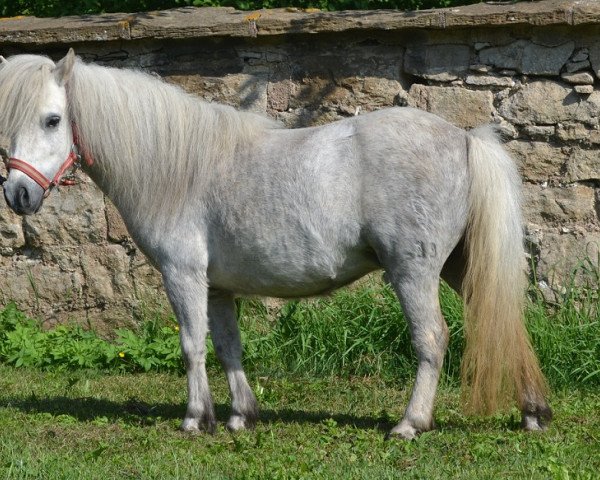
[(136, 412)]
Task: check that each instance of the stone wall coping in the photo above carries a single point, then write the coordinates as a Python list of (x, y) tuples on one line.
[(208, 22)]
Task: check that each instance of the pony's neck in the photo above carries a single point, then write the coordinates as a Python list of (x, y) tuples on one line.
[(154, 146)]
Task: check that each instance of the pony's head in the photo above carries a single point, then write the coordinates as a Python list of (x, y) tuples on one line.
[(34, 116)]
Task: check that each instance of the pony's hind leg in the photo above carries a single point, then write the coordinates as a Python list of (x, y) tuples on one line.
[(188, 294), (418, 294), (228, 347)]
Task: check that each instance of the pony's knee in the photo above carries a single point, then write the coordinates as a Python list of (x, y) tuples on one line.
[(431, 342)]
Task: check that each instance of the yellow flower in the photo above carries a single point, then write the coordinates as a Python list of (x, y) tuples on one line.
[(122, 354), (176, 328)]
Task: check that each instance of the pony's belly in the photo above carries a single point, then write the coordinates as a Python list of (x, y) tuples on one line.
[(289, 280)]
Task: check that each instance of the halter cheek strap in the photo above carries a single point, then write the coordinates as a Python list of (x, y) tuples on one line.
[(39, 178)]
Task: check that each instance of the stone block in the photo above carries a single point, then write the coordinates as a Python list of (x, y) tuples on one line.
[(40, 288), (379, 92), (580, 55), (106, 272), (548, 102), (539, 132), (437, 62), (278, 95), (527, 57), (70, 216), (537, 161), (578, 78), (11, 231), (247, 91), (559, 205), (462, 107), (561, 253), (572, 67), (149, 290), (98, 284), (490, 81), (584, 89), (479, 68), (594, 53), (333, 98), (116, 229), (332, 84), (583, 165), (208, 88), (572, 131)]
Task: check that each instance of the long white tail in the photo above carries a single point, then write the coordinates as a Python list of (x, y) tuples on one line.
[(499, 364)]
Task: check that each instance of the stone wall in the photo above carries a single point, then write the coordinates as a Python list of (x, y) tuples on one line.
[(532, 67)]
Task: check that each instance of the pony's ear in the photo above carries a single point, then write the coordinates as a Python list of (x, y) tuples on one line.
[(64, 68), (2, 61)]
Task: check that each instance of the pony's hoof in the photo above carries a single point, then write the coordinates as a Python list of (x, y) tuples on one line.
[(190, 425), (193, 425), (403, 431), (237, 423), (536, 418), (532, 424)]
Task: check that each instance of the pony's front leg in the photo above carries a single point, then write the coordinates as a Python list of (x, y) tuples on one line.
[(188, 294), (228, 347)]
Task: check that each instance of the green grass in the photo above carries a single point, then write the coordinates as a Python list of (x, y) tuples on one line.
[(60, 425), (331, 375)]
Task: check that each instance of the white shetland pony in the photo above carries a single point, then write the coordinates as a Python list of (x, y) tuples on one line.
[(227, 203)]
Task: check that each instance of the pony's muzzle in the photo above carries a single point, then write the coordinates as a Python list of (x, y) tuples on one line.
[(23, 199)]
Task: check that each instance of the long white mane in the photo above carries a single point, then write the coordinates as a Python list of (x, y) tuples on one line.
[(153, 140)]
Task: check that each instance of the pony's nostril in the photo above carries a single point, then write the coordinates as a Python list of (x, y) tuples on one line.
[(23, 196)]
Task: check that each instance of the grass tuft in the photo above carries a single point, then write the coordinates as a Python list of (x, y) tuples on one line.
[(566, 333)]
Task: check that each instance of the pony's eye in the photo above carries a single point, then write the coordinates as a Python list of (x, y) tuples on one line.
[(52, 121)]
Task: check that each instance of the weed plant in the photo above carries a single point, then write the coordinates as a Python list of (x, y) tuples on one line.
[(359, 331), (23, 343)]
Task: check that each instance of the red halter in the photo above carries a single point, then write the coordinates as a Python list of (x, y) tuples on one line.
[(43, 181)]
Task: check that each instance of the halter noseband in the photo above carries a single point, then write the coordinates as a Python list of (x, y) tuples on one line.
[(38, 177)]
